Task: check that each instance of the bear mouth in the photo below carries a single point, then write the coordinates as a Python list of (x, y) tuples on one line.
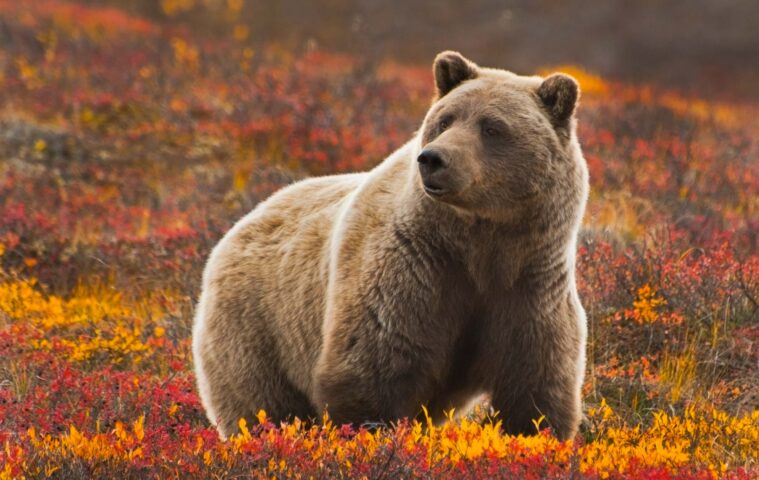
[(434, 190)]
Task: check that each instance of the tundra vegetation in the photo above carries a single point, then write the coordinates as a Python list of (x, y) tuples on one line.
[(129, 145)]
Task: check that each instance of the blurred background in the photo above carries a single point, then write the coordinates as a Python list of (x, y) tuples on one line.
[(698, 45)]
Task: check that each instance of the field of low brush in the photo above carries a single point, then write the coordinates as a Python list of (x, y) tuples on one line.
[(129, 145)]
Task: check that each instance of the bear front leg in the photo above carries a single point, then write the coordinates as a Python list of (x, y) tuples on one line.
[(394, 309), (542, 371), (555, 398), (372, 371)]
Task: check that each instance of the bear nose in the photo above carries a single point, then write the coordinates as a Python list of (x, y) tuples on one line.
[(430, 161)]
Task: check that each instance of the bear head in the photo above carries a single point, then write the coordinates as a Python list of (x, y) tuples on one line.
[(494, 142)]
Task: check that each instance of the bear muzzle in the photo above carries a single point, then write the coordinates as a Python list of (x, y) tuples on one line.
[(433, 168)]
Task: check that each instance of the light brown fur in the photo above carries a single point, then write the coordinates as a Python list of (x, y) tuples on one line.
[(364, 294)]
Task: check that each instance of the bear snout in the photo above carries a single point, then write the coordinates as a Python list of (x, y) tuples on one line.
[(431, 161), (433, 168)]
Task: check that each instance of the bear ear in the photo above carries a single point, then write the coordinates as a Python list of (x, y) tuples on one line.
[(559, 93), (450, 69)]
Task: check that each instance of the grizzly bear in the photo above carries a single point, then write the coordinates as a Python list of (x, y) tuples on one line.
[(446, 272)]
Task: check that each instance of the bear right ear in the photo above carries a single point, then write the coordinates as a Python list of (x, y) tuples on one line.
[(450, 69)]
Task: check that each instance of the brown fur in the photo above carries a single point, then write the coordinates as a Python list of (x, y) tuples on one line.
[(364, 294)]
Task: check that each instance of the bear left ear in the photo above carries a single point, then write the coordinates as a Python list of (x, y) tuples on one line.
[(559, 93), (450, 69)]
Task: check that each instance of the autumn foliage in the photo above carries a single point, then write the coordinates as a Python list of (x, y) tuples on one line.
[(129, 145)]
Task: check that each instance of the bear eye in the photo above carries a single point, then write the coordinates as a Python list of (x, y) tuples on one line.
[(493, 128), (444, 124)]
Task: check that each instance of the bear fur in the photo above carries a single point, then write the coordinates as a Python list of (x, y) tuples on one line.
[(446, 272)]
